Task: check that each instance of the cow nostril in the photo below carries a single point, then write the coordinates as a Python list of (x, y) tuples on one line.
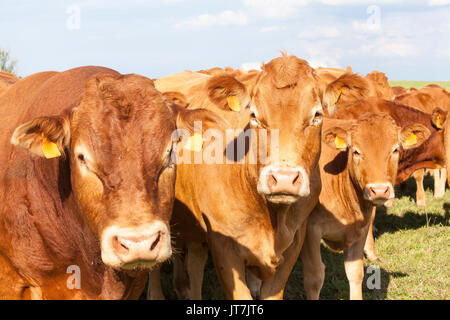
[(272, 180), (297, 179), (120, 246), (155, 243)]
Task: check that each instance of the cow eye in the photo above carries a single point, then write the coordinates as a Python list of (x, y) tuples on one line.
[(356, 153), (396, 150), (317, 119), (254, 120), (81, 158)]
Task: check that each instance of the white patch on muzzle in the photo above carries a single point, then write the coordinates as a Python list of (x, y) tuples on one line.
[(263, 187)]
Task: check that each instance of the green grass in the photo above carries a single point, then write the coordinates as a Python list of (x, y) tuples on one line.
[(413, 244), (419, 84)]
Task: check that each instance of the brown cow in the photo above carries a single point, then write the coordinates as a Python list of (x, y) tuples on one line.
[(358, 167), (87, 183), (6, 80), (398, 91), (431, 154), (427, 100), (253, 216)]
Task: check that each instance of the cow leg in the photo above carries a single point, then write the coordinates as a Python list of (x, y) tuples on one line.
[(230, 268), (273, 288), (420, 193), (354, 267), (254, 284), (440, 178), (197, 254), (154, 290), (180, 278), (313, 267), (369, 247)]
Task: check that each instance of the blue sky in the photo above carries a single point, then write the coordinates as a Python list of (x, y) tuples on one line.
[(408, 40)]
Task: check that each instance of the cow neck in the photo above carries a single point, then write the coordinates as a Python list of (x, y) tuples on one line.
[(355, 209)]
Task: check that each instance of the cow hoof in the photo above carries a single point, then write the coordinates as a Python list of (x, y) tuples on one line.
[(372, 257), (421, 203)]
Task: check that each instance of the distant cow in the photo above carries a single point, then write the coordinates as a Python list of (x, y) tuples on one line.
[(253, 216), (358, 168), (427, 100), (398, 91), (6, 80), (87, 183)]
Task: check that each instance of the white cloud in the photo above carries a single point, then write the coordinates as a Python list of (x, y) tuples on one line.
[(272, 29), (386, 47), (443, 53), (225, 18), (438, 2), (320, 32), (361, 2), (276, 9), (247, 66)]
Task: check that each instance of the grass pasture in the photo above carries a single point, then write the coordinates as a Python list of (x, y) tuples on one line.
[(413, 244), (419, 84)]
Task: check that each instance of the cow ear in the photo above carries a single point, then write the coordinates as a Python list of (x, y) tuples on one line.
[(336, 138), (350, 86), (192, 124), (228, 93), (176, 97), (413, 136), (45, 137), (438, 118)]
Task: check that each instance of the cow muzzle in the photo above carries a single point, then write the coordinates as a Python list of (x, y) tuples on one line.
[(136, 248), (283, 185), (379, 193)]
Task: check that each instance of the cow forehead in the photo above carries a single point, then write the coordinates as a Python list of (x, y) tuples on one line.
[(376, 133), (123, 116), (297, 99)]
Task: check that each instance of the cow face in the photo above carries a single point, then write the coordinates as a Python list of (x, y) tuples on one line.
[(373, 145), (118, 143), (286, 98)]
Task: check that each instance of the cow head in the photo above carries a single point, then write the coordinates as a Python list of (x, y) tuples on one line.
[(373, 145), (286, 98), (118, 144), (345, 90)]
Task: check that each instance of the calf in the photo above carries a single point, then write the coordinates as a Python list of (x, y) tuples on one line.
[(253, 216), (87, 183), (358, 167)]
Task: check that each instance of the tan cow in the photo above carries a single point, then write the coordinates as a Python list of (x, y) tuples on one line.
[(358, 168), (253, 216), (87, 183)]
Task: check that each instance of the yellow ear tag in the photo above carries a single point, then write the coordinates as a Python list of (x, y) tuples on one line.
[(50, 149), (195, 143), (233, 103), (340, 143), (411, 140), (338, 95), (438, 122)]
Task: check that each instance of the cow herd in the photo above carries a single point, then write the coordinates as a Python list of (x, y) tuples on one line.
[(111, 175)]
